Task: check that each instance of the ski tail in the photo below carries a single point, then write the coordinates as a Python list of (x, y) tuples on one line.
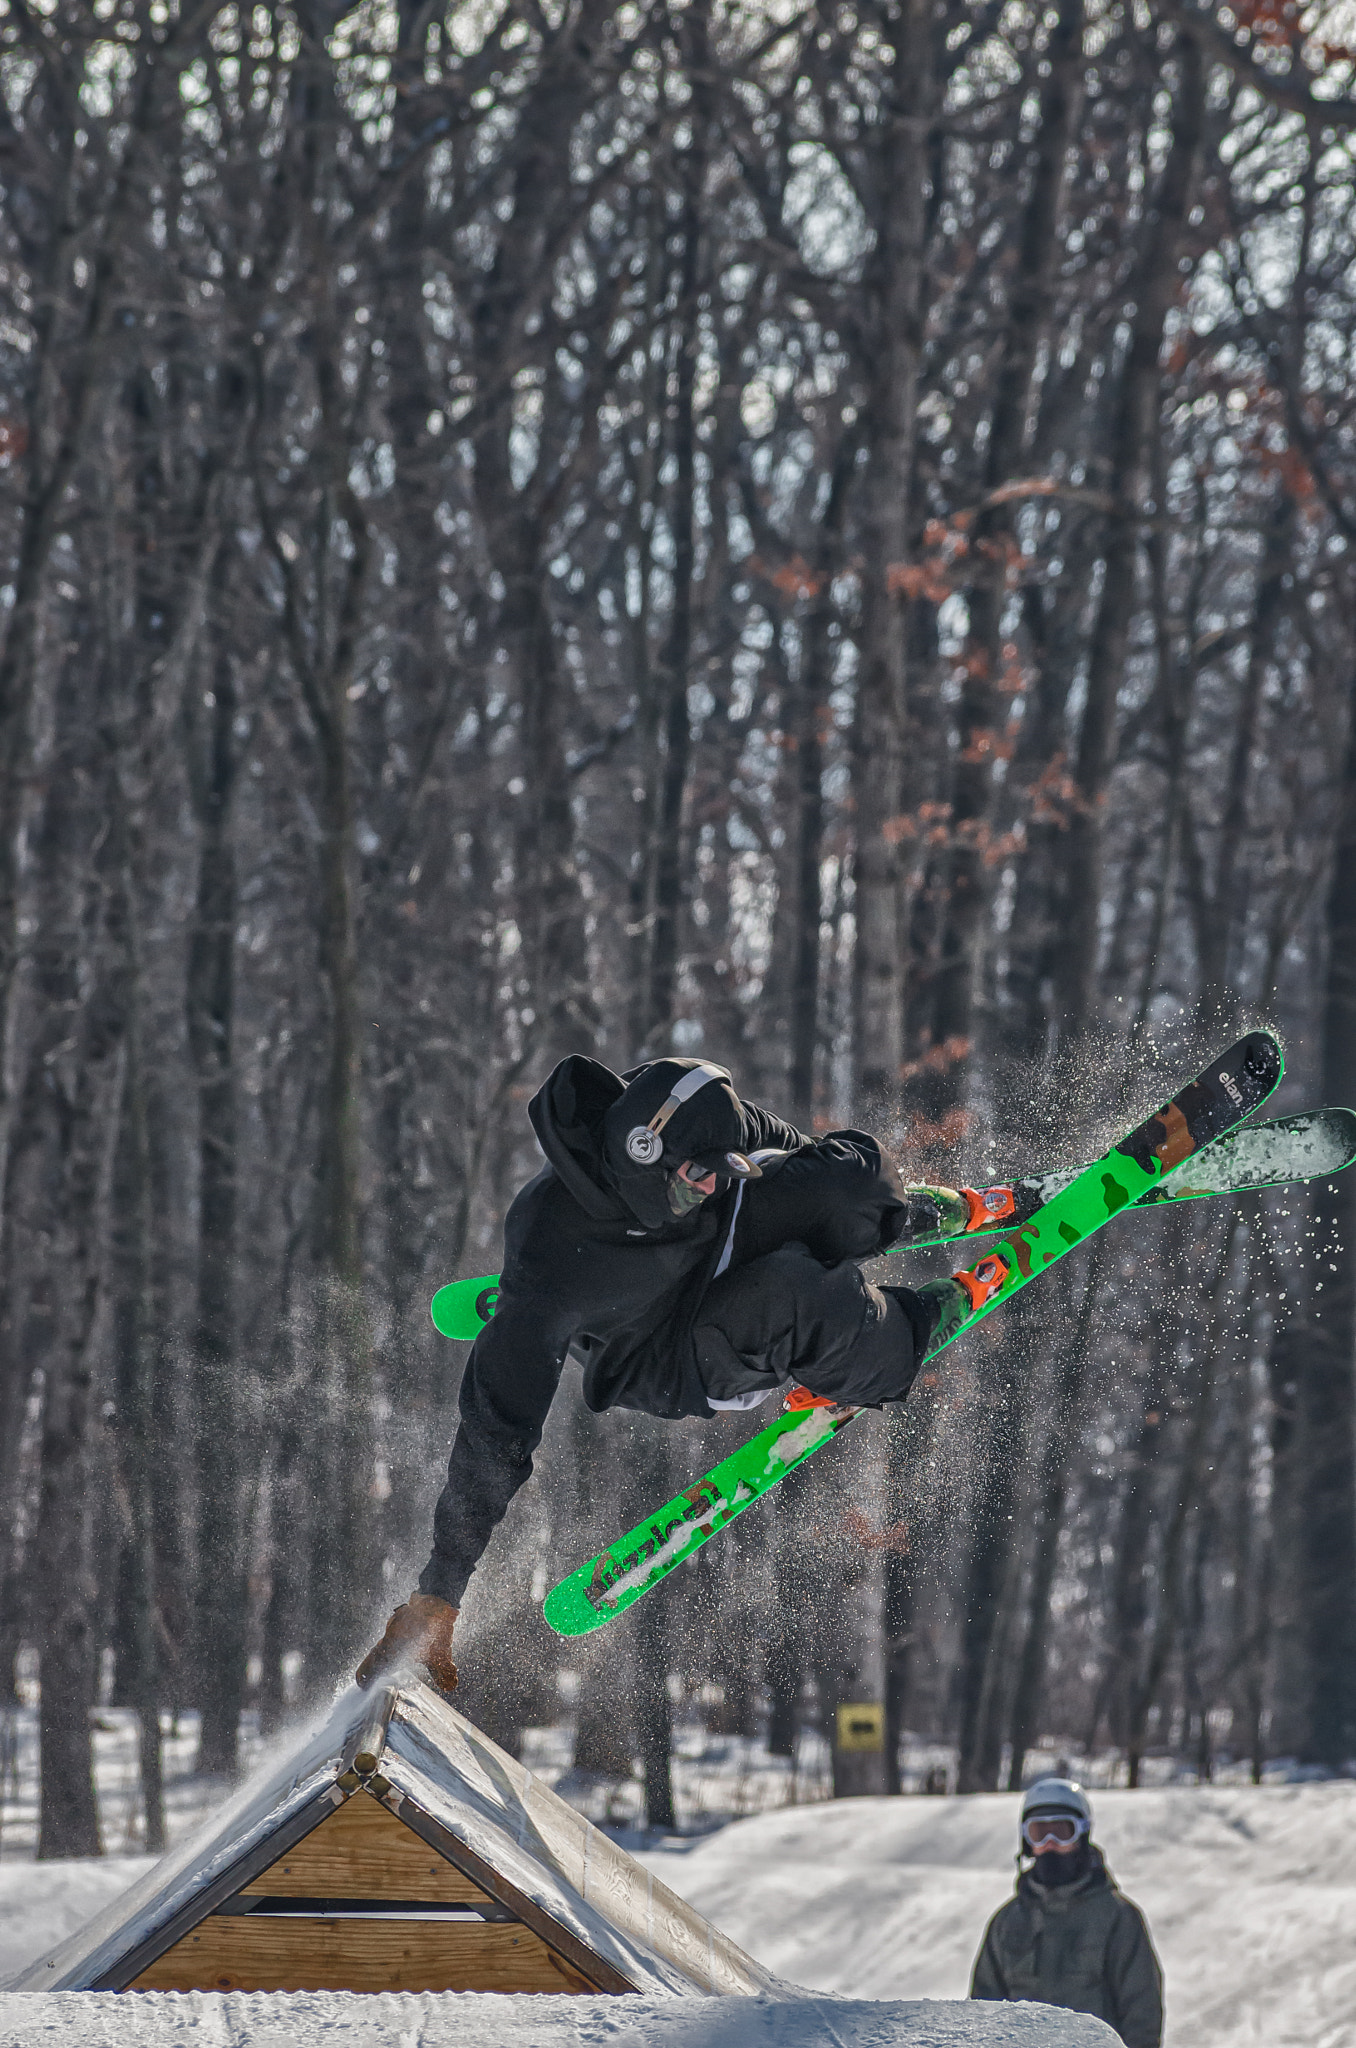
[(1230, 1089), (1279, 1153)]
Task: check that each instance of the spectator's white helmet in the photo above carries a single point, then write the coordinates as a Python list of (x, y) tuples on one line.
[(1056, 1797)]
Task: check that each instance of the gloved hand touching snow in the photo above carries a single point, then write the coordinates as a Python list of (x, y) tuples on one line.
[(419, 1632)]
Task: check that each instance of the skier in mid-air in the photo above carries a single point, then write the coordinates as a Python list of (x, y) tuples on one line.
[(692, 1253)]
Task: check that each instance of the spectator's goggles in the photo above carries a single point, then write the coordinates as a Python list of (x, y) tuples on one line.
[(1043, 1832)]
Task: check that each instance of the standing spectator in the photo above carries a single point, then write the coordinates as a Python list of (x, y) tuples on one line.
[(1070, 1937)]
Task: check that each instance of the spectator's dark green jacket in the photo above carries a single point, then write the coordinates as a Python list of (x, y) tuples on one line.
[(1080, 1945)]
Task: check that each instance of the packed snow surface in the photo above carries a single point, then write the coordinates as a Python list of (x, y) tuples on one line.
[(330, 2019), (1250, 1894)]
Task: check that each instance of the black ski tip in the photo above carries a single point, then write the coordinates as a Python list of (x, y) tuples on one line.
[(1261, 1058), (1233, 1085)]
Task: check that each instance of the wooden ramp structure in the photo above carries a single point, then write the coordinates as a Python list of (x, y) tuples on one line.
[(398, 1849)]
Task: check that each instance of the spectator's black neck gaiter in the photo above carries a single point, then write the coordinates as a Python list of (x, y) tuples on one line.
[(1053, 1869)]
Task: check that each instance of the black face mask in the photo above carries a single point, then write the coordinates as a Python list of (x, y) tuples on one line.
[(1054, 1869), (683, 1197)]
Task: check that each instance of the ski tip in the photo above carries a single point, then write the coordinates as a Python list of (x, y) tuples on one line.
[(1262, 1057), (443, 1312), (463, 1308), (1331, 1141), (569, 1612), (1224, 1095)]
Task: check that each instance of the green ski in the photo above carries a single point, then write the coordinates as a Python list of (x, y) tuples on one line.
[(1267, 1155), (1229, 1090)]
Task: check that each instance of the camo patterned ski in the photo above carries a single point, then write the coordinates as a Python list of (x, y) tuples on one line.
[(1273, 1154), (1229, 1090), (1277, 1153)]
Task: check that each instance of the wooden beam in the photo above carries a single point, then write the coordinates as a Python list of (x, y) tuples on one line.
[(363, 1751), (296, 1954)]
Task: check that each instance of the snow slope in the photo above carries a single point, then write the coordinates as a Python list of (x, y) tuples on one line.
[(41, 1903), (327, 2019), (1250, 1895)]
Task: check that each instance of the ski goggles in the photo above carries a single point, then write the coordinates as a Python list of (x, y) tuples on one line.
[(685, 1191), (725, 1165), (1045, 1831)]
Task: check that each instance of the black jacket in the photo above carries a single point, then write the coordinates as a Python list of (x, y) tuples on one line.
[(1083, 1946), (581, 1271)]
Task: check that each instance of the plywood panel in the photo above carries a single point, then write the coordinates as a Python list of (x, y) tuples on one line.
[(363, 1852), (293, 1954)]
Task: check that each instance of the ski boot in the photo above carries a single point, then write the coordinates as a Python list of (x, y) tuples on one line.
[(955, 1300), (948, 1305), (958, 1212)]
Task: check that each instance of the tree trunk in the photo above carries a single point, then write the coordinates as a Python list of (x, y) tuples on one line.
[(674, 665), (785, 1649), (219, 1660), (894, 293), (78, 1075), (654, 1712), (1129, 1608), (324, 617), (991, 1556), (1327, 1398), (986, 700), (1172, 1564), (904, 1447), (808, 708), (1156, 289), (1052, 1487), (135, 1350)]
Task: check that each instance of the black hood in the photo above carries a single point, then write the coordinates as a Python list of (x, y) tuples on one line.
[(567, 1115), (583, 1115)]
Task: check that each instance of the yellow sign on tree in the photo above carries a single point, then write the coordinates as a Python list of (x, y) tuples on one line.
[(862, 1727)]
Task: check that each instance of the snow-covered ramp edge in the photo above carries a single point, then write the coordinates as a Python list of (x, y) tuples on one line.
[(344, 2019)]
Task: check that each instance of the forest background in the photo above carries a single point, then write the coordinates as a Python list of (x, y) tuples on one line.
[(823, 536)]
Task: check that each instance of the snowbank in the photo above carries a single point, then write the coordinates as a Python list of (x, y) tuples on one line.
[(41, 1903), (308, 2019), (1250, 1895)]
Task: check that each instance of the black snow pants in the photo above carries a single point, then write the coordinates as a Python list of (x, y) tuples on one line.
[(787, 1316)]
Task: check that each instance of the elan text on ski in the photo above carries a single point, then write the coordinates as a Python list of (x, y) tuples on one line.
[(690, 1252)]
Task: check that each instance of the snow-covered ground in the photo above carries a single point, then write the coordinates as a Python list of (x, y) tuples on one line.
[(1250, 1895), (340, 2020), (41, 1903)]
